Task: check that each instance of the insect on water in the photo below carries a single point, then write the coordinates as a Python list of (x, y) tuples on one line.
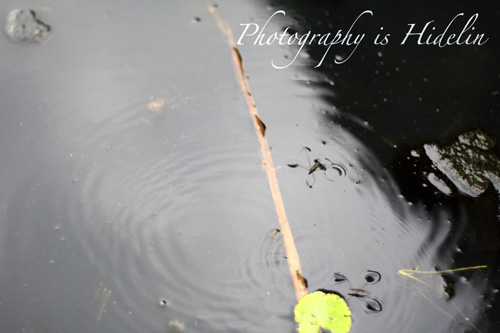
[(372, 304), (330, 170)]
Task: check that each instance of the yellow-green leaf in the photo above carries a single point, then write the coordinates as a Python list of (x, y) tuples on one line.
[(319, 310)]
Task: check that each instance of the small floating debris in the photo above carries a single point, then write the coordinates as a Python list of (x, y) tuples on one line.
[(176, 325), (274, 233), (467, 162), (162, 302), (156, 105), (103, 294), (414, 153), (448, 286), (24, 26), (439, 184)]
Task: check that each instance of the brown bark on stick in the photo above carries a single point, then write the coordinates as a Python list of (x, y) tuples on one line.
[(291, 251)]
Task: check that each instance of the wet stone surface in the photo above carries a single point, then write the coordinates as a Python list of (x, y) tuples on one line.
[(23, 25), (467, 162)]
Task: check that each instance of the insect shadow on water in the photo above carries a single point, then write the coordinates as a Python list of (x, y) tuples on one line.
[(372, 304), (330, 169)]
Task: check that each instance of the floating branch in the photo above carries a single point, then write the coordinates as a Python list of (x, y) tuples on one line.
[(298, 280)]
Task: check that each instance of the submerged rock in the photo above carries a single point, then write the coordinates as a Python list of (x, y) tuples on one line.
[(23, 26), (467, 162)]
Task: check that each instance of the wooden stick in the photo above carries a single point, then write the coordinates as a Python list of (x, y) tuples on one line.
[(298, 280)]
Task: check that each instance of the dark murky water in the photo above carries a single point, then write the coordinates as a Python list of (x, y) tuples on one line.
[(133, 200)]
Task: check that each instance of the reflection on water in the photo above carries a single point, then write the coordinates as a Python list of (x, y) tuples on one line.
[(365, 224), (132, 199), (468, 163)]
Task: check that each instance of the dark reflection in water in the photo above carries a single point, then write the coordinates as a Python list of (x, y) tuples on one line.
[(372, 304), (395, 99), (132, 199)]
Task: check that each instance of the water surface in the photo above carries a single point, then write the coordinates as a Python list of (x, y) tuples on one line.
[(133, 199)]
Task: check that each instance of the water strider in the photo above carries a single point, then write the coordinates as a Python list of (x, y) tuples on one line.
[(372, 277), (319, 164)]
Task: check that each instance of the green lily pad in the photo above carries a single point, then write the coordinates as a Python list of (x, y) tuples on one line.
[(326, 311)]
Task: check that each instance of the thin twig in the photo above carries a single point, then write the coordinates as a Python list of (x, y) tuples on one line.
[(291, 251)]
